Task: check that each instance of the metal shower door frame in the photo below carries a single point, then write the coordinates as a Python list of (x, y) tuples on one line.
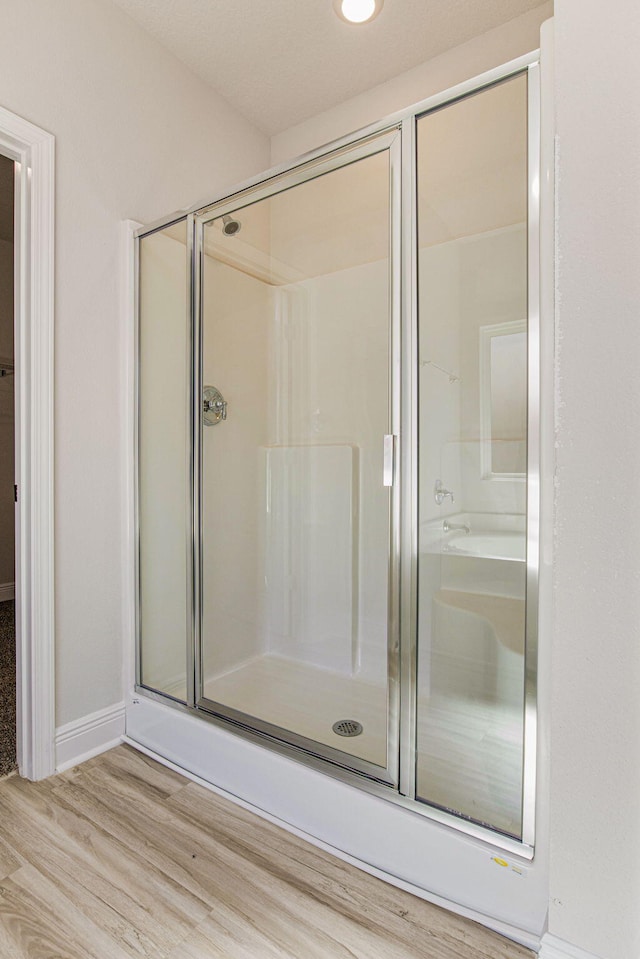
[(359, 148)]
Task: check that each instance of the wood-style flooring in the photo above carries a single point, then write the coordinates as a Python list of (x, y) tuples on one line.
[(121, 857)]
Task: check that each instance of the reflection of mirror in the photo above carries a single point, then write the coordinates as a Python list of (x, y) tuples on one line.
[(503, 400)]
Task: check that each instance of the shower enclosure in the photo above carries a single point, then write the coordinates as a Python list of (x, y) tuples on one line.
[(337, 459)]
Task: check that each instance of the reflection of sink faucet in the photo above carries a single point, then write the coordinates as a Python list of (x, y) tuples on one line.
[(440, 493), (448, 527)]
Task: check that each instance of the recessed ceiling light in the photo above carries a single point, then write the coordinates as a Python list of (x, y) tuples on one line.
[(357, 11)]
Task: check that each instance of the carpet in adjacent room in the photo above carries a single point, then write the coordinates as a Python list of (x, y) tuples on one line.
[(7, 688)]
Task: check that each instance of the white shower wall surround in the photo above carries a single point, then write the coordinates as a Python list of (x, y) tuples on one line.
[(278, 574), (282, 324)]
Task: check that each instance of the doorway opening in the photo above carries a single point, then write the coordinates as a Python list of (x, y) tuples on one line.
[(8, 755), (27, 153)]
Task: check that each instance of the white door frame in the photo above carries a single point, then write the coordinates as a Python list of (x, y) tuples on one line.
[(33, 149)]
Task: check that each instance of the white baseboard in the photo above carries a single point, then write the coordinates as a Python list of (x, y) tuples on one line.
[(551, 947), (89, 736), (7, 591)]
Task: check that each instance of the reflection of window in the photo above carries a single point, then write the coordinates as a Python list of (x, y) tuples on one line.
[(503, 400)]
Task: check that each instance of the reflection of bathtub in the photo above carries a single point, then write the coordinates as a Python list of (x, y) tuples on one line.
[(478, 647), (488, 544)]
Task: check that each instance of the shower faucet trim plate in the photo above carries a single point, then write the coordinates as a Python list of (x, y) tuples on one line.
[(214, 406)]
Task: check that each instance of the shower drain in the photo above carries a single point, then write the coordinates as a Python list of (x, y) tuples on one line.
[(347, 727)]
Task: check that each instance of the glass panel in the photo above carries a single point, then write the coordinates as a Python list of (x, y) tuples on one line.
[(164, 475), (472, 219), (295, 329)]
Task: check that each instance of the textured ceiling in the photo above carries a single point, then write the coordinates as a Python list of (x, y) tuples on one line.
[(281, 61)]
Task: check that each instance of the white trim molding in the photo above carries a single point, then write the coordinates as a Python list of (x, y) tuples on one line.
[(551, 947), (89, 736), (7, 591), (33, 151)]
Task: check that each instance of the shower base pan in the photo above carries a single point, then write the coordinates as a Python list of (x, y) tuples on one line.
[(468, 758)]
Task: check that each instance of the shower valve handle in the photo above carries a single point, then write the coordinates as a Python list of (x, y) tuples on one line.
[(440, 494), (214, 406)]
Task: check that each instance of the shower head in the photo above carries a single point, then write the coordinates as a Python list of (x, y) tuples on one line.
[(230, 226)]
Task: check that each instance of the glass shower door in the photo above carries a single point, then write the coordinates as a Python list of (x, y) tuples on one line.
[(297, 412)]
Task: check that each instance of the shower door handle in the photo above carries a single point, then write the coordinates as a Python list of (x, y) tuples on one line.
[(388, 459)]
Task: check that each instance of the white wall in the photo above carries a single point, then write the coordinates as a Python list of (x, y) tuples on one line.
[(595, 708), (512, 39), (137, 135)]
